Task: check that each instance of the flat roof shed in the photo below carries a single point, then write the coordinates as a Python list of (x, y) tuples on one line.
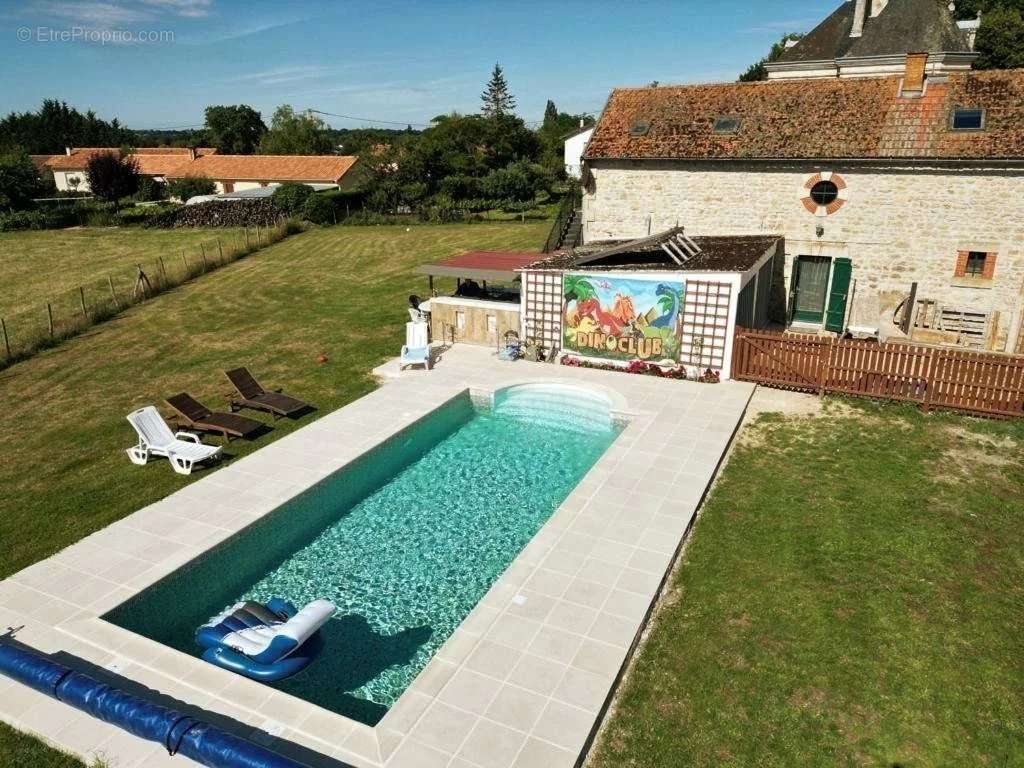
[(489, 266)]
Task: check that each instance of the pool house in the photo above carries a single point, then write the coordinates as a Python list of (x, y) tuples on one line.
[(668, 299)]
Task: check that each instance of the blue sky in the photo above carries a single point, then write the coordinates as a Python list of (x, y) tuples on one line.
[(385, 60)]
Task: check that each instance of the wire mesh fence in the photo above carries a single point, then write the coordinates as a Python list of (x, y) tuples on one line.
[(70, 312)]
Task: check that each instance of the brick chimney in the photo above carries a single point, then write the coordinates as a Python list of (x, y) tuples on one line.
[(877, 6), (859, 11), (913, 77)]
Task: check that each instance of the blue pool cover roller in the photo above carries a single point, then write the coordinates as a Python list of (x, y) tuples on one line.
[(177, 732)]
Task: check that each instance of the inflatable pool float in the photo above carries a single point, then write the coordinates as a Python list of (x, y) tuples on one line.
[(265, 642)]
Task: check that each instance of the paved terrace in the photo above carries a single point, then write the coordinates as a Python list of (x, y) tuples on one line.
[(525, 678)]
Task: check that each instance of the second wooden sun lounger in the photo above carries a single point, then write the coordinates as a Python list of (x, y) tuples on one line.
[(197, 416), (251, 394)]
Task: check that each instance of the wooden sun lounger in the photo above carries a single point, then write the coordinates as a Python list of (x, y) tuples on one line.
[(197, 416), (251, 394)]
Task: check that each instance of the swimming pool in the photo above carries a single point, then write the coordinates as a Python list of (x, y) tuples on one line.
[(405, 540)]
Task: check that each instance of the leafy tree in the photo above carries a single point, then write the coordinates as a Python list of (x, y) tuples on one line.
[(296, 133), (19, 181), (496, 98), (519, 181), (971, 9), (235, 130), (291, 196), (112, 177), (1000, 40), (557, 126), (758, 71), (56, 126), (191, 186)]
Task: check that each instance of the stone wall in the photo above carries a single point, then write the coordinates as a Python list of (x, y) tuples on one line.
[(897, 225)]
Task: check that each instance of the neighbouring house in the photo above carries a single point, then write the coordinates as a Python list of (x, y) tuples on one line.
[(899, 196), (69, 169), (230, 173), (574, 146), (871, 38), (236, 173)]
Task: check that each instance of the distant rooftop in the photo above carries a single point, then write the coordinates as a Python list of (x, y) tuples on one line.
[(902, 26)]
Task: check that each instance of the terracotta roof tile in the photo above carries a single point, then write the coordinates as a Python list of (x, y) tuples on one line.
[(828, 119), (315, 168)]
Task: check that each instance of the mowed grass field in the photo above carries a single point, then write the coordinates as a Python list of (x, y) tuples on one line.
[(341, 292), (852, 595), (36, 267)]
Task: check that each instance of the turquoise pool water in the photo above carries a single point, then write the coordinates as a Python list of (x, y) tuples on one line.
[(406, 540)]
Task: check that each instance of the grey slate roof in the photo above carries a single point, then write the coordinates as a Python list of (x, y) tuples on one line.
[(904, 26)]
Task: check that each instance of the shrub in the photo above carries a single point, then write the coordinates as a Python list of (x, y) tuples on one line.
[(142, 215), (150, 190), (55, 218), (291, 197), (112, 177), (191, 186), (461, 187), (319, 210), (441, 209)]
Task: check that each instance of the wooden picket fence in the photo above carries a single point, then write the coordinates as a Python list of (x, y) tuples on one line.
[(980, 383)]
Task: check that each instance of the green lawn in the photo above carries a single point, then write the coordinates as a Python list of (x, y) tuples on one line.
[(18, 750), (36, 267), (853, 595), (339, 291)]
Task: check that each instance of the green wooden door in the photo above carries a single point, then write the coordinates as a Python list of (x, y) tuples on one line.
[(810, 285), (835, 316)]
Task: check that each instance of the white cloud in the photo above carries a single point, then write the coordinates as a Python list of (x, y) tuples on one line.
[(187, 8), (280, 75), (86, 12)]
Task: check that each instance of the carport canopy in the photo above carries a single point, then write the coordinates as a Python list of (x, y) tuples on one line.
[(483, 266)]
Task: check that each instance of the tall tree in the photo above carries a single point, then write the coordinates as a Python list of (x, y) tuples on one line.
[(758, 71), (296, 133), (1000, 40), (235, 129), (496, 98), (56, 126), (19, 181), (112, 177), (550, 115)]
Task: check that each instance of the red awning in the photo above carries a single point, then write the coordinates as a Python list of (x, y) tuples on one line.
[(496, 266)]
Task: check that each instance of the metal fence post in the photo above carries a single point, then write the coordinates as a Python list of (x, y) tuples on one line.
[(49, 315)]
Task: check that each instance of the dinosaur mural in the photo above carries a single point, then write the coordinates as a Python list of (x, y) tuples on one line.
[(602, 318)]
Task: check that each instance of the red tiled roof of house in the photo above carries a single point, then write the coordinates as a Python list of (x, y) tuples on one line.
[(40, 161), (828, 119), (313, 168), (153, 158)]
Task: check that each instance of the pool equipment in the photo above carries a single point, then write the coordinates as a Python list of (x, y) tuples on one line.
[(179, 733), (265, 642)]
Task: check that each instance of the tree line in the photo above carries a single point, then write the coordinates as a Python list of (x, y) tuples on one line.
[(470, 162)]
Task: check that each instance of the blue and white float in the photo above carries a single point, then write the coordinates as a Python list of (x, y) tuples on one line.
[(265, 642)]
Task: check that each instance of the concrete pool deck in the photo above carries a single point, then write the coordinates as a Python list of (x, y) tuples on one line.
[(525, 678)]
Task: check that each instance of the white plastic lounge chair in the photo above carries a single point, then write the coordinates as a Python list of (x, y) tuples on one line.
[(416, 350), (182, 449)]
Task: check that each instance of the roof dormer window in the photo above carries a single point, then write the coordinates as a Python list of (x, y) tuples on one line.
[(726, 124), (968, 119), (639, 128)]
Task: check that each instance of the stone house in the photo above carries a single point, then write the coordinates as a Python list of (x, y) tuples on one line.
[(900, 197)]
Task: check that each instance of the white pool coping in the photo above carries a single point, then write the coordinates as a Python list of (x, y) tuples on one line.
[(524, 679)]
